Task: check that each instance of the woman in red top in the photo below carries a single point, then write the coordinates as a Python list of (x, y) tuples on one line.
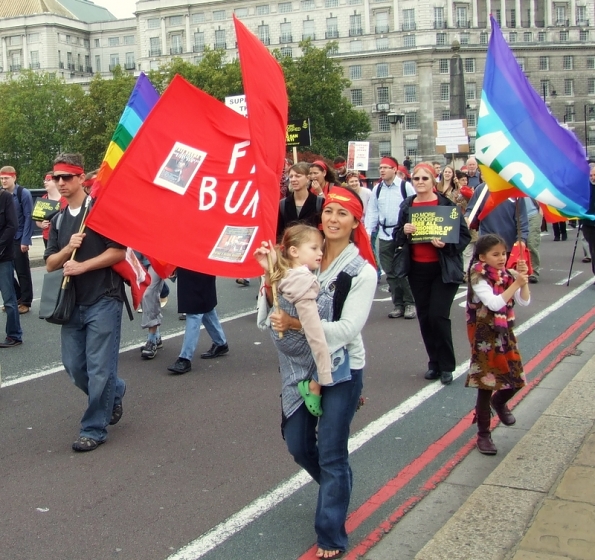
[(434, 270)]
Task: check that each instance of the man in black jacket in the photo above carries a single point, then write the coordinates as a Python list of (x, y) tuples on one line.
[(8, 228)]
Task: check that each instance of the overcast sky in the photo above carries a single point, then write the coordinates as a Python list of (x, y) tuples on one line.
[(120, 8)]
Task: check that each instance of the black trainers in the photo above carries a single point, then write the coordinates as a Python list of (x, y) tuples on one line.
[(181, 366), (446, 377), (215, 351), (149, 350), (86, 444)]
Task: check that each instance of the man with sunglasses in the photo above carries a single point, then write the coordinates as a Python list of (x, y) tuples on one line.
[(23, 204), (91, 338), (382, 213)]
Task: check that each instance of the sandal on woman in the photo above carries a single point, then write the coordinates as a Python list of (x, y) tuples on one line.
[(332, 554), (312, 402)]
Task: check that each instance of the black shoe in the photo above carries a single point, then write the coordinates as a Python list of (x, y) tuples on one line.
[(215, 351), (446, 377), (564, 237), (432, 375), (533, 279), (84, 443), (10, 342), (182, 365), (149, 350), (556, 239)]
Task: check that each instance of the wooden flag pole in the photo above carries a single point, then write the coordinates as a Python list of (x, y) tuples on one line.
[(81, 229)]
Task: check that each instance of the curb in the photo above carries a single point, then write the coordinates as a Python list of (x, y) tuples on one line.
[(492, 522)]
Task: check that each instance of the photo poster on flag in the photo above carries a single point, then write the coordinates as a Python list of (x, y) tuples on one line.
[(435, 222), (179, 168), (45, 209), (357, 156), (234, 244)]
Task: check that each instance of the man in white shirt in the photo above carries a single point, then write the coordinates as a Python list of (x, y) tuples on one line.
[(383, 214)]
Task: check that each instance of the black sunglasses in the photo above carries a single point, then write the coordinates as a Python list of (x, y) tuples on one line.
[(65, 178), (421, 178)]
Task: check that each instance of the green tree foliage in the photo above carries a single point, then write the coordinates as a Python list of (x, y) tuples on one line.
[(37, 120), (212, 74), (315, 85)]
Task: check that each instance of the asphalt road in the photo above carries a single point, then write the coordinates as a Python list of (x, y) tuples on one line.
[(200, 456)]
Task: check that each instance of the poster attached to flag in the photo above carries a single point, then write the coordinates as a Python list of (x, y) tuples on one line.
[(520, 145)]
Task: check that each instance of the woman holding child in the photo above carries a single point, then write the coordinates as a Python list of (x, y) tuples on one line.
[(347, 281)]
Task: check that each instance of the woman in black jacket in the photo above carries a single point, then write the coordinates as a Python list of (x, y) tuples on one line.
[(434, 270)]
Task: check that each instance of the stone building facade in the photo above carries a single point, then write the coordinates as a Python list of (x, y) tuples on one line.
[(395, 52)]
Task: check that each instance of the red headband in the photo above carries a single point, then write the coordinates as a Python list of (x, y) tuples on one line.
[(351, 202), (388, 161), (404, 171), (340, 165), (88, 182), (320, 164), (48, 177), (7, 174), (67, 168), (427, 167)]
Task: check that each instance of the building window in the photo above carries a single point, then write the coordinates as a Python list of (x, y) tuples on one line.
[(512, 18), (241, 12), (439, 22), (471, 118), (96, 43), (220, 42), (113, 41), (445, 115), (34, 59), (440, 39), (483, 38), (411, 121), (286, 51), (409, 20), (354, 2), (285, 29), (382, 70), (521, 63), (331, 3), (544, 87), (199, 42), (262, 10), (512, 36), (541, 37), (97, 63), (114, 60), (445, 92), (219, 15), (153, 23), (583, 35), (309, 30), (198, 17), (33, 37), (129, 39), (461, 17), (382, 95), (332, 28), (285, 7), (383, 124), (355, 72), (591, 138), (527, 36), (470, 91), (568, 62), (355, 25), (561, 15), (411, 147), (469, 64), (382, 22), (465, 38), (175, 42), (409, 41), (581, 15), (263, 34), (568, 87), (499, 17), (591, 86), (569, 113), (563, 36), (591, 63), (356, 46), (154, 46), (444, 66), (410, 93), (357, 98), (410, 68), (308, 5), (129, 64), (175, 21), (544, 62), (384, 148), (382, 44)]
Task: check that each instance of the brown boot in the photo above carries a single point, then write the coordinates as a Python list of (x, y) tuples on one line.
[(498, 401), (483, 417)]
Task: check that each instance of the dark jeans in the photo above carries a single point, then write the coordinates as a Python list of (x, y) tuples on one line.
[(399, 287), (589, 233), (13, 321), (23, 285), (327, 460), (433, 300), (559, 230)]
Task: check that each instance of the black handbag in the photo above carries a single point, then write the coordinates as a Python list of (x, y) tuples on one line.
[(58, 298)]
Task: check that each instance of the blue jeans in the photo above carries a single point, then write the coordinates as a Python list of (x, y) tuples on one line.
[(13, 321), (327, 460), (192, 332), (90, 344)]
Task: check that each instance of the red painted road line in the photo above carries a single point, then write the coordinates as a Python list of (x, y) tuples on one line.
[(413, 469)]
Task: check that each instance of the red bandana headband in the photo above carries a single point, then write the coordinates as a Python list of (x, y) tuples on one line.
[(340, 165), (426, 167), (66, 168), (7, 174), (48, 177), (352, 203), (320, 164), (388, 161)]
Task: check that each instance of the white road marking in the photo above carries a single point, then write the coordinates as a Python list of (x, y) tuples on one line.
[(573, 275), (220, 533)]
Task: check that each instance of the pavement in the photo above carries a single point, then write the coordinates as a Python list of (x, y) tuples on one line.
[(539, 502), (36, 252)]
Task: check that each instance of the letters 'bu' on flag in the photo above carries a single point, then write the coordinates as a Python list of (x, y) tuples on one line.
[(141, 101), (520, 145)]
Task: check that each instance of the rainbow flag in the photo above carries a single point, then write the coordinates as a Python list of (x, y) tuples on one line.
[(141, 101), (521, 146)]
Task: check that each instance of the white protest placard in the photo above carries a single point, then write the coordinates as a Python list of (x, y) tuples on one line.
[(357, 156), (238, 104), (451, 136)]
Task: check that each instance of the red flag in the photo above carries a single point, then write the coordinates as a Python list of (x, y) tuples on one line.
[(134, 274), (518, 254)]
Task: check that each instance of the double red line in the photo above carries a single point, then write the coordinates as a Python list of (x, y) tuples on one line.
[(413, 469)]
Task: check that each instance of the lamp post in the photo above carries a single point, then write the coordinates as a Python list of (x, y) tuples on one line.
[(591, 111), (396, 135), (544, 92)]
